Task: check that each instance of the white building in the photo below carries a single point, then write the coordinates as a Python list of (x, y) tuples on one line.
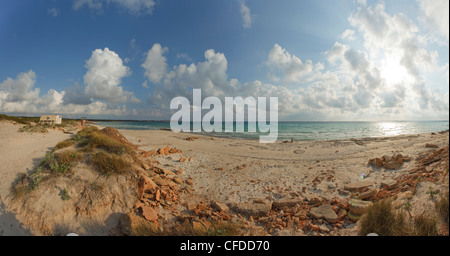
[(50, 119)]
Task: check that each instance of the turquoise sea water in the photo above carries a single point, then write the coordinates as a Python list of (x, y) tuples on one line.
[(310, 130)]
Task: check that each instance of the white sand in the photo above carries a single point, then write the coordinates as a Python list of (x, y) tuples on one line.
[(19, 153)]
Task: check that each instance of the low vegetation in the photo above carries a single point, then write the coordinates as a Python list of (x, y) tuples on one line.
[(108, 163), (442, 207), (106, 154), (382, 219)]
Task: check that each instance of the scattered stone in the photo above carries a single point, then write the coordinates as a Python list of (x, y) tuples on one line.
[(389, 184), (359, 207), (177, 180), (357, 186), (431, 145), (324, 228), (189, 182), (149, 213), (324, 212), (285, 203), (392, 165), (146, 166), (368, 194), (218, 206), (181, 159), (250, 209)]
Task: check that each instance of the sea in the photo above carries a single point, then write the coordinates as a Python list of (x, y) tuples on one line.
[(298, 130)]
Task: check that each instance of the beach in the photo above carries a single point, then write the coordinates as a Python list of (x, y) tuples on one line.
[(240, 171)]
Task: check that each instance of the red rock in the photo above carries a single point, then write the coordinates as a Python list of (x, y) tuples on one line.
[(181, 159), (149, 213)]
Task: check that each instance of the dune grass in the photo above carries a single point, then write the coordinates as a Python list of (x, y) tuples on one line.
[(108, 163)]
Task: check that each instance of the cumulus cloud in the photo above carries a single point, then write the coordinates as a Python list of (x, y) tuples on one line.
[(155, 63), (105, 70), (133, 6), (21, 88), (291, 67)]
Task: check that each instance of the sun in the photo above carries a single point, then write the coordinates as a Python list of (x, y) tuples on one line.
[(392, 70)]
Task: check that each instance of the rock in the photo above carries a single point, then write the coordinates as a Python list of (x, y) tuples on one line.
[(177, 180), (324, 228), (324, 212), (285, 203), (368, 194), (392, 165), (149, 213), (313, 200), (189, 182), (146, 185), (128, 223), (359, 207), (387, 158), (146, 166), (163, 182), (357, 186), (164, 171), (218, 206), (389, 184), (181, 159), (428, 145), (353, 216), (250, 209), (341, 214)]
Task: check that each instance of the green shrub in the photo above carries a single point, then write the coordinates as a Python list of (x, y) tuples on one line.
[(67, 157), (64, 144), (109, 163), (65, 195)]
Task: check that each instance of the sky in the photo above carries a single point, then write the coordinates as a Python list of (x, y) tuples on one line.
[(325, 60)]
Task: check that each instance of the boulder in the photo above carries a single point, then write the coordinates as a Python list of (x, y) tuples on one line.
[(218, 206), (389, 184), (249, 209), (359, 207), (368, 194), (392, 165), (324, 212), (357, 186), (285, 203)]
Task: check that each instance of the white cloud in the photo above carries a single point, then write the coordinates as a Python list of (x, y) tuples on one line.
[(21, 88), (133, 6), (348, 35), (246, 15), (155, 63), (104, 75), (289, 65), (19, 96), (437, 15)]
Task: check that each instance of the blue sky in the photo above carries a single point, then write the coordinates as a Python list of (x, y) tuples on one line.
[(324, 60)]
